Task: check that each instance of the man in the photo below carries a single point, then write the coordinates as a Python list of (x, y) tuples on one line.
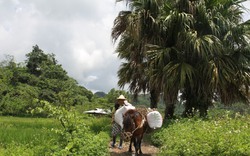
[(116, 128)]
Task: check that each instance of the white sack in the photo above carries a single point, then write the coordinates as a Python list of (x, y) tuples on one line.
[(127, 103), (154, 119), (119, 114)]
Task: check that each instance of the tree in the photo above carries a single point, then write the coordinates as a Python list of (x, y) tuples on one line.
[(197, 59), (114, 94), (36, 58), (197, 48), (21, 86), (135, 29)]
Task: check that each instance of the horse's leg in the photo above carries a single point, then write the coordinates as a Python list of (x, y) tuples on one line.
[(130, 145), (139, 143), (137, 146)]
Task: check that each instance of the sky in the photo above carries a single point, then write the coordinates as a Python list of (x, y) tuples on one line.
[(78, 32)]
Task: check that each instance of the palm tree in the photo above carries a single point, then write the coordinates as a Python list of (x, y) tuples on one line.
[(135, 29), (199, 48), (197, 59)]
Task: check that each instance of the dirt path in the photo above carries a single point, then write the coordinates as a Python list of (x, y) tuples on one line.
[(147, 150)]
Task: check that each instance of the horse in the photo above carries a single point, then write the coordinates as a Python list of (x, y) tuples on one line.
[(134, 127)]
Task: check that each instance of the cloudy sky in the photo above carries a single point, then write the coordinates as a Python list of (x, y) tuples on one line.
[(76, 31)]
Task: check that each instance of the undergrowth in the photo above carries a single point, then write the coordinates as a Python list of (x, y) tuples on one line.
[(221, 134)]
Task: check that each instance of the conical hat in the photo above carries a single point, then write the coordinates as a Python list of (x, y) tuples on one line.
[(121, 97)]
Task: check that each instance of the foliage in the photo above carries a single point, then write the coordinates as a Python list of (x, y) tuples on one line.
[(18, 100), (75, 137), (40, 78), (217, 135), (114, 94), (36, 59), (100, 124), (197, 48), (47, 136), (106, 102), (16, 149)]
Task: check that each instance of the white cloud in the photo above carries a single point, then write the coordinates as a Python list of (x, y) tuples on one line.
[(90, 78), (246, 15), (76, 31)]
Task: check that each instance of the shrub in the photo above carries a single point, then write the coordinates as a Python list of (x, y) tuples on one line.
[(76, 136), (219, 136), (100, 124)]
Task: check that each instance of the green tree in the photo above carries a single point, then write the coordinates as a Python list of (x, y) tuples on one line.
[(21, 85), (36, 58), (197, 48), (113, 94), (135, 29), (198, 60)]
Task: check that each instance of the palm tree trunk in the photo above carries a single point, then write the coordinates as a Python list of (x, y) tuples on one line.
[(169, 110), (197, 101), (154, 98), (205, 100), (190, 102), (170, 100)]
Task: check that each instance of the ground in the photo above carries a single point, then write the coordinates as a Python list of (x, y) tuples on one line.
[(147, 150)]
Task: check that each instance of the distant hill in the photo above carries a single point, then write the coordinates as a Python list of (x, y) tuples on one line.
[(100, 94)]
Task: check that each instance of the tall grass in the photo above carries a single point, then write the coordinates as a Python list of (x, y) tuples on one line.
[(19, 135)]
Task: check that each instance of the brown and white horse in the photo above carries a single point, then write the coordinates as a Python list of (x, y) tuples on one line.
[(134, 127)]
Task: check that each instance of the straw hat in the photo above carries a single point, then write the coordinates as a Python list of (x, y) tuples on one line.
[(121, 97)]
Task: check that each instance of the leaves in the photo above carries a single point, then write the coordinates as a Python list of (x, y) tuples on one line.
[(21, 84), (197, 47), (224, 133)]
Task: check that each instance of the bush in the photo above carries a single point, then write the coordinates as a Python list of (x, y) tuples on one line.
[(100, 124), (76, 137), (191, 137)]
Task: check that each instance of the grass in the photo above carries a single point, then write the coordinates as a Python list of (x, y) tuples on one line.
[(222, 133), (19, 135)]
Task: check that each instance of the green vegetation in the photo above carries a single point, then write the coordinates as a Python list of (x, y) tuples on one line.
[(190, 55), (76, 137), (41, 88), (68, 133), (222, 133), (27, 136), (22, 85), (196, 49), (26, 130)]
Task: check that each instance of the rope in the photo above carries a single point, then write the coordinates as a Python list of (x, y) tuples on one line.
[(127, 135)]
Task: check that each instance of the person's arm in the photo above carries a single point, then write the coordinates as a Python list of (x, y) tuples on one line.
[(116, 106), (113, 112)]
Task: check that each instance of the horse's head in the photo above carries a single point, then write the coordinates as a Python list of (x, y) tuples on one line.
[(132, 123), (128, 125), (128, 121)]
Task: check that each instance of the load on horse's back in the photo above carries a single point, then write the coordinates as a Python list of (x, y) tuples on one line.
[(134, 127), (133, 123)]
